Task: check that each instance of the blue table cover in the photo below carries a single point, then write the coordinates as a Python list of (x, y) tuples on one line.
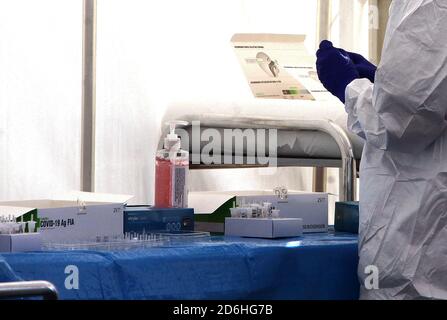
[(318, 266)]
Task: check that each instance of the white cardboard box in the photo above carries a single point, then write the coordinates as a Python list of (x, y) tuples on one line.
[(77, 216), (312, 207), (21, 242), (263, 228)]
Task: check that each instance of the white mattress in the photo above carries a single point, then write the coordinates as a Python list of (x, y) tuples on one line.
[(299, 144)]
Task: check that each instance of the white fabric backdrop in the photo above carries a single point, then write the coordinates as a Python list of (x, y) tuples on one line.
[(350, 25), (149, 53), (40, 97)]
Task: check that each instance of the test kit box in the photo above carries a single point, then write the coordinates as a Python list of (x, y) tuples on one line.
[(312, 207), (212, 208), (77, 216), (20, 242), (347, 217), (263, 227), (278, 66), (147, 218)]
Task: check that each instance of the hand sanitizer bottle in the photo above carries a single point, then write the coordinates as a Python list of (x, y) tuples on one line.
[(171, 172)]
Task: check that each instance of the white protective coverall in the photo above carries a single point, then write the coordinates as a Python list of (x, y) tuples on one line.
[(403, 172)]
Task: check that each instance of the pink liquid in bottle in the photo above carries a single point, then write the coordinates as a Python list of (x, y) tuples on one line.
[(171, 180), (163, 183)]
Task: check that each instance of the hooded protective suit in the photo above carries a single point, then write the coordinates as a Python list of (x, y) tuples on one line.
[(403, 189)]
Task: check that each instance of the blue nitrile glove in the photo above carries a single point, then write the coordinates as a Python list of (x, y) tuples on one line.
[(365, 68), (335, 69)]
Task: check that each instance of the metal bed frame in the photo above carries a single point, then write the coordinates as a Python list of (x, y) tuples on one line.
[(347, 165), (22, 289)]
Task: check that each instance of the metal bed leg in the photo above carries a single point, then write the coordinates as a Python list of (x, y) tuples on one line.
[(319, 183)]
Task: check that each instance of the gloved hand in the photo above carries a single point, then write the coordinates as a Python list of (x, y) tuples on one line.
[(365, 68), (335, 69)]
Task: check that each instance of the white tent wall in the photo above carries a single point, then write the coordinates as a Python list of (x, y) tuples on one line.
[(129, 100), (151, 53), (40, 97), (148, 54), (350, 24)]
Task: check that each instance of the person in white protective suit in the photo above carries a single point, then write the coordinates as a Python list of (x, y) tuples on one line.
[(403, 171)]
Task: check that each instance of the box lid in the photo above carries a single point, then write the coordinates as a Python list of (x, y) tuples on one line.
[(209, 201), (74, 198)]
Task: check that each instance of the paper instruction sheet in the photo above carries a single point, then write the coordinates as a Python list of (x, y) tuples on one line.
[(278, 66)]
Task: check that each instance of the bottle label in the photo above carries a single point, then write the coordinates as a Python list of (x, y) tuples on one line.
[(179, 183)]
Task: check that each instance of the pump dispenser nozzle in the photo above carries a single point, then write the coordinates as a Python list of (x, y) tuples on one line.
[(172, 140)]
